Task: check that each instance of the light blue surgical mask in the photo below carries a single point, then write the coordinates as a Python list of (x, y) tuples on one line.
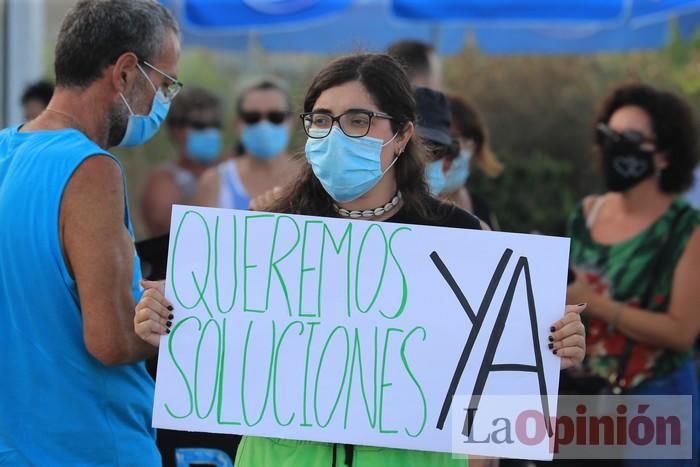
[(459, 172), (346, 167), (204, 146), (435, 177), (141, 128), (265, 140)]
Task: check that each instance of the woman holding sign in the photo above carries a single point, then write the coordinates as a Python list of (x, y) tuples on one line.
[(363, 163)]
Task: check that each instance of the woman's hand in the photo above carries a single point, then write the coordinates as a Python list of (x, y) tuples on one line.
[(568, 337), (153, 316)]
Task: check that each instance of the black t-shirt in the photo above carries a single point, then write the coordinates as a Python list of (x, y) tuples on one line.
[(482, 210), (445, 215)]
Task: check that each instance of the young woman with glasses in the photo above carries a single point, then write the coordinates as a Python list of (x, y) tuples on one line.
[(260, 162), (363, 163)]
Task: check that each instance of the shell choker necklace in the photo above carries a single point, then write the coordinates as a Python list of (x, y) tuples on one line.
[(367, 213)]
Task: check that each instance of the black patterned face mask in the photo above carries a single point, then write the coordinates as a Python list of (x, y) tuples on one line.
[(625, 162)]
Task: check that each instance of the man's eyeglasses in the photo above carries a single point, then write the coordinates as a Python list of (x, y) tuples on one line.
[(173, 88), (275, 117), (355, 123)]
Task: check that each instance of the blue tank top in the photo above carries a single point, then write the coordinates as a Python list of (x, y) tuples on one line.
[(58, 404)]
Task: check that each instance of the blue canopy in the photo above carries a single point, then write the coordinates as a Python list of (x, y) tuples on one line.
[(495, 26)]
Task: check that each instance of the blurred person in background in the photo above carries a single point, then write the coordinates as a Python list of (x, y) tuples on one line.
[(475, 154), (443, 172), (635, 251), (420, 62), (194, 126), (263, 123), (35, 98)]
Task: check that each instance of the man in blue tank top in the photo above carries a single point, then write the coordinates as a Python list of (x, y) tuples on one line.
[(74, 387)]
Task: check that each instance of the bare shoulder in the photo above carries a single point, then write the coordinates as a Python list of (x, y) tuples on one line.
[(210, 177), (588, 203), (96, 175)]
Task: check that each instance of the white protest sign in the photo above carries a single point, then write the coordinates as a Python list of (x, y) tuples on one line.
[(357, 332)]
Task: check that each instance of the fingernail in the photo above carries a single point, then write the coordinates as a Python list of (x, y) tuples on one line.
[(551, 339), (170, 308), (169, 323), (551, 346), (167, 331), (171, 316), (582, 304), (552, 329), (554, 351)]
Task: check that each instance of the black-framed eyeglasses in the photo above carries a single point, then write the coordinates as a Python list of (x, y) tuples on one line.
[(172, 89), (355, 123), (276, 117), (605, 133)]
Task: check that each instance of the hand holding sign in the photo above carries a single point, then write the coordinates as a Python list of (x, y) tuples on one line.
[(569, 337), (153, 316)]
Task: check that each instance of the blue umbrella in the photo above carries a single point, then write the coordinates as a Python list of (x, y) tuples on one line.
[(496, 26)]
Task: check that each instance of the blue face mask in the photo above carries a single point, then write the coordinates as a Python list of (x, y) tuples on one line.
[(204, 146), (459, 172), (435, 177), (141, 128), (265, 140), (346, 167)]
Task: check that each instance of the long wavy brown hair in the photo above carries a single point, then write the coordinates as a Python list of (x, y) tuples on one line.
[(391, 92)]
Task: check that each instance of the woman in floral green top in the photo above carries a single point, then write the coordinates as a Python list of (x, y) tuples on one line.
[(636, 249)]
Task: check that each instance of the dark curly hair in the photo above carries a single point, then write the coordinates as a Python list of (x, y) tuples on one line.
[(673, 124), (388, 85)]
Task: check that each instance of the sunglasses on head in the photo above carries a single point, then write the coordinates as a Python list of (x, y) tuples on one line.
[(275, 117)]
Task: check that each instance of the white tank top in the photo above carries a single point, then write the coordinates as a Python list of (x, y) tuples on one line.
[(232, 195)]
